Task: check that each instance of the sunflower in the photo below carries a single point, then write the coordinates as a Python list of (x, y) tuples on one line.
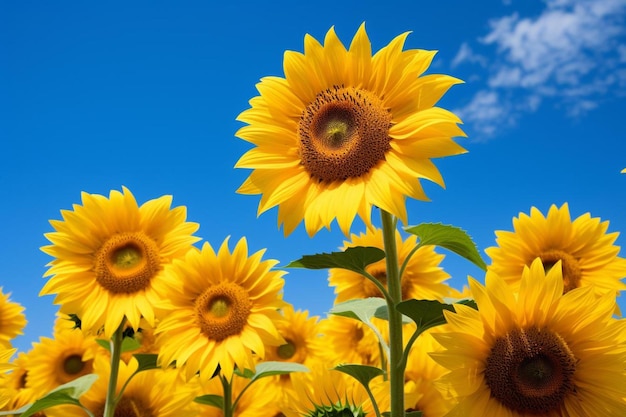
[(5, 365), (349, 341), (328, 392), (423, 278), (16, 383), (109, 253), (586, 251), (62, 359), (537, 352), (345, 131), (12, 320), (224, 308), (152, 393)]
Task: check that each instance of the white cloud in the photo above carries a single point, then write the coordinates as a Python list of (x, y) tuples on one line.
[(466, 54), (573, 52)]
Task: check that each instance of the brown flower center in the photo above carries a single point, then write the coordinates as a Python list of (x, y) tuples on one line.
[(287, 350), (73, 366), (343, 133), (129, 407), (569, 265), (530, 371), (222, 310), (127, 262)]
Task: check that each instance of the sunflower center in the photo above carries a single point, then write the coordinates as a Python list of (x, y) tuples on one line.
[(72, 367), (370, 289), (530, 371), (343, 133), (127, 262), (287, 350), (129, 407), (222, 310), (569, 265)]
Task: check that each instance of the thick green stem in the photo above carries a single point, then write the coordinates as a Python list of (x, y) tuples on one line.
[(228, 397), (116, 351), (396, 370)]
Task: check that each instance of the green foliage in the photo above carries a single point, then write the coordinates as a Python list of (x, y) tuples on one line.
[(354, 259), (212, 400), (363, 310), (362, 373), (128, 344), (63, 394), (271, 368), (146, 361), (449, 237)]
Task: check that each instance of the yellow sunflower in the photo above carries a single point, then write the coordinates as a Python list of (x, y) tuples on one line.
[(345, 131), (16, 383), (423, 278), (109, 253), (5, 365), (347, 340), (12, 320), (153, 393), (57, 361), (537, 352), (224, 307), (587, 252)]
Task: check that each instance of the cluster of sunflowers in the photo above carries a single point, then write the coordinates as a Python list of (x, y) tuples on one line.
[(152, 324)]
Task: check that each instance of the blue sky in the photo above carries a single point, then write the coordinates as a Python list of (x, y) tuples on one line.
[(97, 95)]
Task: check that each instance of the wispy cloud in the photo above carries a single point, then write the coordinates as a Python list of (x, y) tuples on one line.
[(574, 52)]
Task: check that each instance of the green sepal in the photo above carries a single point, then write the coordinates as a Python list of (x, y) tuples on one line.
[(448, 237), (212, 400), (64, 394), (354, 259), (362, 373)]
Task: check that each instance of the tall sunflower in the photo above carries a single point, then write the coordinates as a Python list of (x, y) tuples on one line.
[(586, 251), (344, 131), (537, 352), (223, 308), (423, 278), (109, 253), (12, 320)]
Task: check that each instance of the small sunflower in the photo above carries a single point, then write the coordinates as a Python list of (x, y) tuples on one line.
[(423, 278), (586, 251), (347, 340), (109, 253), (12, 320), (224, 307), (5, 365), (345, 131), (537, 352), (151, 393), (16, 383), (62, 359)]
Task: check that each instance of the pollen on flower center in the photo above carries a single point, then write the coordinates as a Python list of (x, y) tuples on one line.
[(530, 371), (343, 133), (126, 262), (222, 310), (569, 265)]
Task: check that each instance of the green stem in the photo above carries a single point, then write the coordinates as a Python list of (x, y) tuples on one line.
[(228, 397), (116, 352), (396, 370)]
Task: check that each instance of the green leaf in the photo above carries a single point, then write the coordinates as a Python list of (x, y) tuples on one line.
[(271, 368), (64, 394), (128, 344), (354, 259), (426, 313), (212, 400), (362, 373), (146, 361), (449, 237), (104, 343)]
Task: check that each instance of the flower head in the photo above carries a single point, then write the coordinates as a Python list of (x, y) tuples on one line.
[(12, 320), (224, 307), (537, 352), (344, 131), (585, 250), (109, 253)]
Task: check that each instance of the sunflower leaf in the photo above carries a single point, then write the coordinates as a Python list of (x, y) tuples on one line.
[(64, 394), (362, 373), (212, 400), (353, 259), (448, 237), (146, 361), (425, 313), (271, 368)]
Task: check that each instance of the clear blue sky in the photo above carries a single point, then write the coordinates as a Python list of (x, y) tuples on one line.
[(96, 95)]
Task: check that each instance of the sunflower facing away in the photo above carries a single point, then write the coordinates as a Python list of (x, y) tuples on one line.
[(109, 253), (538, 352), (12, 320), (344, 131), (587, 252), (422, 279), (224, 307)]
